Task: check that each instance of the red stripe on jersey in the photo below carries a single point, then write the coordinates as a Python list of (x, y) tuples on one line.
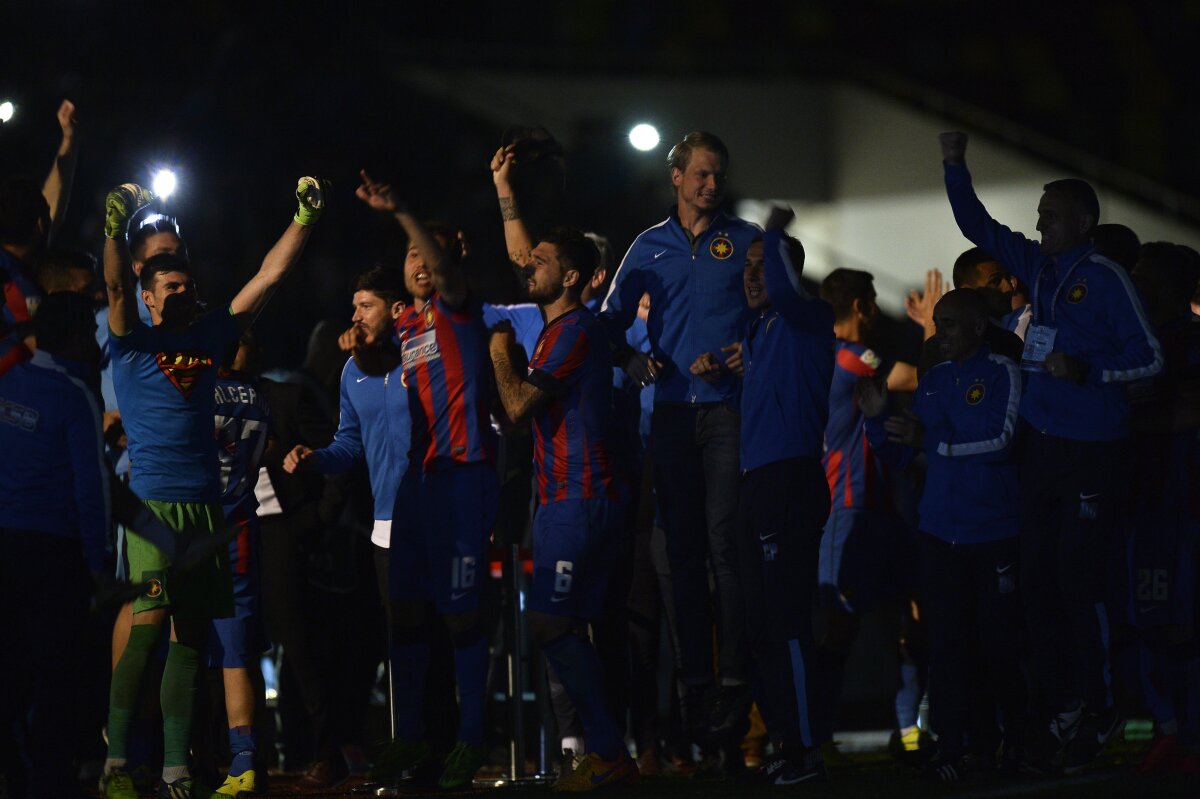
[(452, 363), (853, 364), (833, 467), (243, 546), (561, 445), (17, 304)]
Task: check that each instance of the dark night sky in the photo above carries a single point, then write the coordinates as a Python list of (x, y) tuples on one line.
[(246, 97)]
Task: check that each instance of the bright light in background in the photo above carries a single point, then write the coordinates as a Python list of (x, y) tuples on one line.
[(163, 184), (643, 137), (6, 111)]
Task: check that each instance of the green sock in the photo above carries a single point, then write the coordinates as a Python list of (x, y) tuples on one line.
[(178, 699), (123, 693)]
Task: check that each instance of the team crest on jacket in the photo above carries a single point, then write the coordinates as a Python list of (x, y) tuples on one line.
[(975, 394), (721, 248), (183, 369), (429, 315), (1077, 293), (154, 588)]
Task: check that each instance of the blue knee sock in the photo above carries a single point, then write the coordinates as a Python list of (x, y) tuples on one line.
[(470, 668), (908, 697), (578, 667), (242, 745), (410, 663)]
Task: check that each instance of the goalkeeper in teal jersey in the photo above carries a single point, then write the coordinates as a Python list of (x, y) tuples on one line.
[(164, 376)]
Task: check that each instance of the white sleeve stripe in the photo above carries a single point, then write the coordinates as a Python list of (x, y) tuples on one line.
[(613, 285), (1155, 366), (1010, 418)]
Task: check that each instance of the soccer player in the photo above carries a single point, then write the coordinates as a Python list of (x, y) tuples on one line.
[(236, 643), (965, 420), (1087, 340), (164, 376), (787, 357), (439, 541), (566, 391), (691, 266), (54, 519)]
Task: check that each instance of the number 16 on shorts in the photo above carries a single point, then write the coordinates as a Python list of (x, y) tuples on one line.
[(462, 574)]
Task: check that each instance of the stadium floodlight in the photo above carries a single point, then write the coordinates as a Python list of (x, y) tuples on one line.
[(643, 137), (7, 109), (163, 183)]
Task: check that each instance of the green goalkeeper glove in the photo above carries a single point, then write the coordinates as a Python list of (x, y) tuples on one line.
[(310, 193), (120, 206)]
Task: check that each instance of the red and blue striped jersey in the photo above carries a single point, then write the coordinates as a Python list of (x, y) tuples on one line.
[(855, 473), (451, 386), (20, 301), (572, 453)]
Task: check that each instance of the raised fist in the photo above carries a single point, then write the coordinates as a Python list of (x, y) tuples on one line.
[(310, 194), (120, 205), (954, 146)]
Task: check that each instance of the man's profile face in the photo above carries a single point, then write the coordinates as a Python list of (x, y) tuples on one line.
[(701, 184), (753, 281), (1060, 222), (172, 301), (996, 286), (545, 277), (374, 316)]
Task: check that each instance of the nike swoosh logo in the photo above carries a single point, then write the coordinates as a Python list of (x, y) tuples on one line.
[(659, 254), (458, 595), (781, 780), (1086, 497), (930, 393), (599, 778), (558, 599), (1004, 570), (762, 537), (359, 380)]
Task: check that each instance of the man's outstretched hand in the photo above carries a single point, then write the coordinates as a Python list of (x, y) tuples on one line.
[(378, 196), (954, 147), (66, 120), (311, 196), (120, 205)]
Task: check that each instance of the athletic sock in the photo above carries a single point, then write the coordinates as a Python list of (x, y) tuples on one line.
[(410, 663), (470, 668), (123, 693), (908, 696), (178, 698), (242, 745), (578, 667)]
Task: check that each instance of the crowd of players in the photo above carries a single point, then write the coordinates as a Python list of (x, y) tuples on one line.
[(708, 439)]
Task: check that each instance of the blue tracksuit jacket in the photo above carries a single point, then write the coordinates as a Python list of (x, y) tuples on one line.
[(1093, 306)]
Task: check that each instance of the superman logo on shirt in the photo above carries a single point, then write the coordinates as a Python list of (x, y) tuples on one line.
[(183, 369)]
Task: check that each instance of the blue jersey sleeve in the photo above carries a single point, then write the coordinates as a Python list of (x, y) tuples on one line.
[(1137, 354), (621, 305), (787, 295), (346, 449), (1019, 254), (89, 474)]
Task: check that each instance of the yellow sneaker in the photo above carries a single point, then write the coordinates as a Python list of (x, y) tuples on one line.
[(593, 773), (244, 784)]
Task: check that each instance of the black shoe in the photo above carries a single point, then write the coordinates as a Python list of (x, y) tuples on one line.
[(781, 769), (945, 769), (1093, 734), (729, 717), (322, 774), (1046, 743)]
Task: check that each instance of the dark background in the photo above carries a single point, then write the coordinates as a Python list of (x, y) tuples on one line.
[(243, 98)]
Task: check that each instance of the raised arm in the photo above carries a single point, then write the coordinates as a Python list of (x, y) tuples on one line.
[(57, 188), (119, 207), (516, 235), (1021, 255), (445, 272), (785, 290), (310, 195)]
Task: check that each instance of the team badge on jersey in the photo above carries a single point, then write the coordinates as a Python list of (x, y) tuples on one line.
[(1077, 293), (975, 394), (429, 315), (870, 359), (183, 369), (721, 248)]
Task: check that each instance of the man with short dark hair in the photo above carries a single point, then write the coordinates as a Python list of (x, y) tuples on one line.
[(1088, 339), (691, 266), (164, 378), (566, 391)]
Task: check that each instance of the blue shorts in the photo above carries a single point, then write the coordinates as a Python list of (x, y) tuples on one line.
[(240, 639), (1162, 569), (575, 545), (440, 530), (865, 557)]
